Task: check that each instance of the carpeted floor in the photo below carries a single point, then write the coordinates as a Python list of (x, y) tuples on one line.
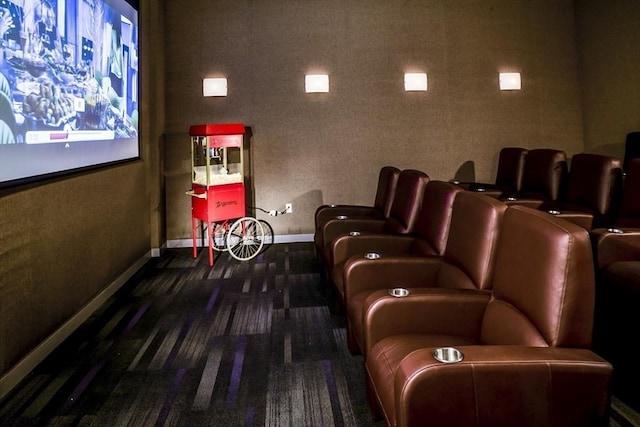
[(241, 344), (182, 344)]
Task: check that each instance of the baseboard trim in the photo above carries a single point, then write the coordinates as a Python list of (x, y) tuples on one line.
[(16, 374), (283, 238), (157, 252)]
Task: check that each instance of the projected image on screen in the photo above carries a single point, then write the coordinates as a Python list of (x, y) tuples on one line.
[(68, 86)]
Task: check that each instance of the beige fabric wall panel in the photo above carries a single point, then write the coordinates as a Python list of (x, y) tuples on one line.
[(315, 148), (62, 243), (609, 49)]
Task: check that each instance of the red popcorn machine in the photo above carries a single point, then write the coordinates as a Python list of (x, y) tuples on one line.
[(218, 193)]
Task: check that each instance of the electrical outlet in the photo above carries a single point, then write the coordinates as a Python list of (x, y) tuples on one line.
[(288, 208)]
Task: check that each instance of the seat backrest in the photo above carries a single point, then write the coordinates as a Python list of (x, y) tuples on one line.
[(629, 212), (631, 148), (594, 182), (432, 226), (473, 233), (387, 183), (545, 170), (543, 283), (511, 163), (407, 201)]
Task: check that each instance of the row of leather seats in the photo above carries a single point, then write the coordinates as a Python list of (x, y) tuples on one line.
[(617, 254), (586, 189), (430, 270)]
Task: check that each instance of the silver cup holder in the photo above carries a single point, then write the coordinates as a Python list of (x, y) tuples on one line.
[(398, 292), (481, 189), (333, 206), (448, 355), (372, 255), (554, 212), (341, 217), (511, 199), (615, 230), (354, 233)]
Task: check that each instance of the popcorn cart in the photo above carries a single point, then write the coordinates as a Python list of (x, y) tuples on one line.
[(218, 193)]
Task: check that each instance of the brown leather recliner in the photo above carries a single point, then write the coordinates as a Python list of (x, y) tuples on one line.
[(616, 314), (626, 223), (467, 263), (543, 180), (594, 188), (428, 238), (402, 218), (387, 182), (526, 358), (511, 161), (628, 216)]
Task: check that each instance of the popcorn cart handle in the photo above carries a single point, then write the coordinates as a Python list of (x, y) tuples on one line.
[(194, 194)]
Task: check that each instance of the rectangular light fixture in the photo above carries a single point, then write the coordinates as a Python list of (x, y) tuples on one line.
[(216, 86), (415, 82), (510, 81), (316, 83)]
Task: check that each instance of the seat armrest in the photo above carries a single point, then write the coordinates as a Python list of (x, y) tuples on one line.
[(530, 203), (583, 219), (344, 247), (326, 213), (499, 386), (425, 310), (613, 247), (487, 190), (341, 227), (362, 274)]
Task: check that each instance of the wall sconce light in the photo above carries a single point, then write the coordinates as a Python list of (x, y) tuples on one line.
[(415, 82), (316, 83), (510, 81), (214, 86)]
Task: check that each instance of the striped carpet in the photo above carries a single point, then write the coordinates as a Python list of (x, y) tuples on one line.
[(182, 344), (241, 344)]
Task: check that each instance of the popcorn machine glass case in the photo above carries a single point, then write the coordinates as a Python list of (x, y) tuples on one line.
[(217, 167), (218, 193)]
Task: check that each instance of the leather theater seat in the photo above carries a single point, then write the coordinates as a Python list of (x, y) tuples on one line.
[(407, 202), (628, 215), (544, 175), (593, 191), (387, 182), (626, 220), (526, 346), (465, 266), (631, 148), (428, 239), (511, 161), (617, 316)]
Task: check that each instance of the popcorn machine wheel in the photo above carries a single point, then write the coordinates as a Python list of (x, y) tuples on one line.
[(218, 193)]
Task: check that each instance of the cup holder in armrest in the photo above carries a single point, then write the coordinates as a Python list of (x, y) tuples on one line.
[(354, 233), (399, 292), (615, 230), (448, 355), (341, 217), (372, 255)]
